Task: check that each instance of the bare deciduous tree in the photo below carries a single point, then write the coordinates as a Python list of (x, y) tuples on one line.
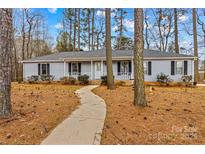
[(201, 22), (176, 30), (30, 38), (146, 30), (100, 32), (164, 24)]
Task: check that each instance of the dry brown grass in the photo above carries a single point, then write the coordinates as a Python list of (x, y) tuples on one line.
[(174, 115), (37, 109)]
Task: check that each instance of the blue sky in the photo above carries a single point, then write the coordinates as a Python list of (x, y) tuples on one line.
[(54, 17)]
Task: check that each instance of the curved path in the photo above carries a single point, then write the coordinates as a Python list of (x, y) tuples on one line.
[(85, 124)]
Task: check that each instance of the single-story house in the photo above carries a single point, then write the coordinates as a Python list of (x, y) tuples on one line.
[(93, 63)]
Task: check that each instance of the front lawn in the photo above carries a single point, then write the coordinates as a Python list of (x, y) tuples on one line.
[(37, 109), (174, 115)]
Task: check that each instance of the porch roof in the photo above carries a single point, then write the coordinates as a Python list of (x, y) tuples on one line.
[(101, 54)]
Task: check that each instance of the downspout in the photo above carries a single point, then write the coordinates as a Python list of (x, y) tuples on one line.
[(64, 66)]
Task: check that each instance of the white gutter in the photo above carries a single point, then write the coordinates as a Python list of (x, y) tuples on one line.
[(36, 61), (168, 58)]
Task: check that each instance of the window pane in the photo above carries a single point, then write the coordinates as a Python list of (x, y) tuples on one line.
[(43, 72), (145, 68), (124, 67), (74, 67), (179, 64), (179, 67), (179, 70), (98, 66)]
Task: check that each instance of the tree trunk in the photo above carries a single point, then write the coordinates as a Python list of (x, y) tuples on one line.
[(23, 33), (176, 30), (146, 33), (29, 41), (5, 61), (88, 16), (110, 80), (195, 47), (160, 32), (204, 67), (93, 27), (70, 35), (15, 58), (121, 29), (139, 88), (97, 39), (79, 29), (75, 23)]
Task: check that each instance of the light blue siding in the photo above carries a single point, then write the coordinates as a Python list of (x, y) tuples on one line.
[(29, 69), (57, 70)]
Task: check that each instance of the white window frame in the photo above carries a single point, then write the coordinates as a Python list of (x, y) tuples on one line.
[(124, 66), (98, 66), (145, 63), (182, 67)]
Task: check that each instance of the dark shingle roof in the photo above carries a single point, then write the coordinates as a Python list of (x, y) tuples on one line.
[(102, 54)]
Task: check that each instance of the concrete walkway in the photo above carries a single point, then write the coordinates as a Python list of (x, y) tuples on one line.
[(201, 85), (84, 125)]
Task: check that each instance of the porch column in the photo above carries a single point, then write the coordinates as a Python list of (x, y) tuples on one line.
[(102, 71), (91, 69), (132, 73), (64, 68)]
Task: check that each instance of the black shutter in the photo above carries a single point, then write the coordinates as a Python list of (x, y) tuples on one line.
[(172, 67), (185, 67), (48, 69), (149, 68), (69, 68), (39, 69), (130, 67), (79, 68), (118, 67)]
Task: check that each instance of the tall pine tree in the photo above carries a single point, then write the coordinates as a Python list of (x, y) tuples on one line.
[(6, 31)]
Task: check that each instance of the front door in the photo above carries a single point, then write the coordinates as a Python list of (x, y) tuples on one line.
[(97, 70)]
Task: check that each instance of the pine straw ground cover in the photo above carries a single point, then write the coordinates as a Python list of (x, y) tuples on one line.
[(37, 109), (174, 115)]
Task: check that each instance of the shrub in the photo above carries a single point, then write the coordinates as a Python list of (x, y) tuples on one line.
[(186, 79), (47, 78), (33, 79), (163, 79), (83, 79), (68, 80), (104, 80)]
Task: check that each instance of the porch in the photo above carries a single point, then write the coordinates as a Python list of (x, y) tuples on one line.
[(122, 69)]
